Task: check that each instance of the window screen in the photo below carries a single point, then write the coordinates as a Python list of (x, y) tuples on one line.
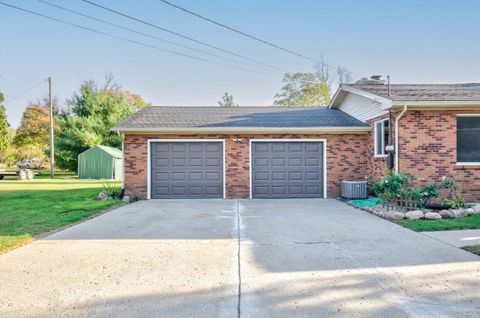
[(381, 137), (468, 139)]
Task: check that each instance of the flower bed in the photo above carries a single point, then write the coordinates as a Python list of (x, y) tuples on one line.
[(388, 212)]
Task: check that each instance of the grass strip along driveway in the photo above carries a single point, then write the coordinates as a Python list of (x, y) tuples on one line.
[(467, 223), (32, 208)]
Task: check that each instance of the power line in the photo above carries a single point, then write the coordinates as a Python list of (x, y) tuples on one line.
[(24, 92), (122, 38), (241, 32), (181, 35), (141, 33)]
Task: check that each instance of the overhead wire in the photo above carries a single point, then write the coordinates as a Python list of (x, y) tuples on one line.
[(123, 38), (139, 32), (181, 35), (277, 46)]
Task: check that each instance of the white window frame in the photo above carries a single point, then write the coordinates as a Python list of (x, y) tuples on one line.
[(375, 148), (322, 140), (465, 163), (149, 159)]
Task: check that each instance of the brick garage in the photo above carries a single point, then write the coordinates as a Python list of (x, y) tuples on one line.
[(346, 141), (346, 159)]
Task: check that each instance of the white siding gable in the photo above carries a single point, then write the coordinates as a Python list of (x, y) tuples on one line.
[(361, 107)]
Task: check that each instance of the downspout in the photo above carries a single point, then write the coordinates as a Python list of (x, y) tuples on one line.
[(397, 148)]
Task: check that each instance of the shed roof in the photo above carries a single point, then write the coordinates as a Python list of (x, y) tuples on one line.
[(115, 152), (201, 117)]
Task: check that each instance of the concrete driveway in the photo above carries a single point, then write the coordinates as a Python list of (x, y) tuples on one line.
[(246, 258)]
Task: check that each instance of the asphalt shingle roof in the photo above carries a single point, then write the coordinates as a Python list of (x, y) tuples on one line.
[(158, 117), (422, 92)]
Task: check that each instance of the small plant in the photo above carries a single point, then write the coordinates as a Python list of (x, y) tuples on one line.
[(112, 188), (456, 199)]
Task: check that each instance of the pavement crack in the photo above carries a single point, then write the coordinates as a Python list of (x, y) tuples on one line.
[(239, 273)]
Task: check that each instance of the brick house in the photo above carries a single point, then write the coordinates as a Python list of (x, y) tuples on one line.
[(277, 152)]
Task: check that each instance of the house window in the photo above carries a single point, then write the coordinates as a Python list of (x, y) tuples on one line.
[(468, 139), (381, 137)]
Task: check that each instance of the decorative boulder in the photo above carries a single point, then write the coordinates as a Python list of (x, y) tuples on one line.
[(432, 216), (414, 215), (102, 196), (394, 215), (470, 212), (126, 199), (476, 208), (460, 213), (446, 214)]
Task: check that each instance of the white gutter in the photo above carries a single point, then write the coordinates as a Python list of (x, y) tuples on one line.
[(397, 120), (253, 130)]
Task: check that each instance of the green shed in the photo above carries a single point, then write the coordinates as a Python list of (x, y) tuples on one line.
[(101, 162)]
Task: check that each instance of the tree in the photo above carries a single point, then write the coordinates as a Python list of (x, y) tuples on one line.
[(227, 101), (303, 89), (4, 142), (35, 125), (344, 75), (89, 118)]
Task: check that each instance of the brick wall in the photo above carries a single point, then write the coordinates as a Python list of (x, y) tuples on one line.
[(346, 159), (428, 150)]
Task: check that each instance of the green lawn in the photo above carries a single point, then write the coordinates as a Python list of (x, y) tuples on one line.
[(470, 222), (473, 249), (32, 208)]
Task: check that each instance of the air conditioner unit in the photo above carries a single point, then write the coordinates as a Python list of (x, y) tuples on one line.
[(354, 189)]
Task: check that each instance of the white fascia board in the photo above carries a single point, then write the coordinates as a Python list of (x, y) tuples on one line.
[(385, 102), (251, 130), (434, 104)]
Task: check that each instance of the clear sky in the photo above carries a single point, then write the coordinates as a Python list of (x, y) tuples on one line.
[(414, 41)]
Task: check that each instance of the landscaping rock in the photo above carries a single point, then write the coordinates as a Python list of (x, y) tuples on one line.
[(470, 212), (102, 196), (432, 216), (476, 208), (126, 199), (394, 215), (414, 215), (110, 198), (460, 213), (446, 214)]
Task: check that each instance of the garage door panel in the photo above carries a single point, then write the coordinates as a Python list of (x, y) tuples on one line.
[(186, 170), (290, 169)]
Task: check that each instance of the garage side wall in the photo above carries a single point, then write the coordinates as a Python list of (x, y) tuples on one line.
[(346, 159)]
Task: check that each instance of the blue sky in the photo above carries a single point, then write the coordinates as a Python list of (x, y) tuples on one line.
[(413, 41)]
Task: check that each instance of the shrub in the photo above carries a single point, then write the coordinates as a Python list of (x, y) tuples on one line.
[(399, 187), (456, 199), (112, 188)]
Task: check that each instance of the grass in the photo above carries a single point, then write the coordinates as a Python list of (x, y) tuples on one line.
[(29, 209), (469, 222), (473, 249)]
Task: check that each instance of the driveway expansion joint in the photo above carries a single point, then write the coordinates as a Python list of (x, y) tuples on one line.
[(239, 300)]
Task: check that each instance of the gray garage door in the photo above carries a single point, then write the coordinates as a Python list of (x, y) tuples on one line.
[(287, 169), (186, 170)]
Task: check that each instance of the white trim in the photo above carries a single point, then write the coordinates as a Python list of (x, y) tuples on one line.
[(385, 102), (149, 141), (428, 104), (467, 164), (256, 130), (322, 140), (468, 115), (375, 137)]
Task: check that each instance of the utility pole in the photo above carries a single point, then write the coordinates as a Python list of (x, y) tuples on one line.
[(52, 146)]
